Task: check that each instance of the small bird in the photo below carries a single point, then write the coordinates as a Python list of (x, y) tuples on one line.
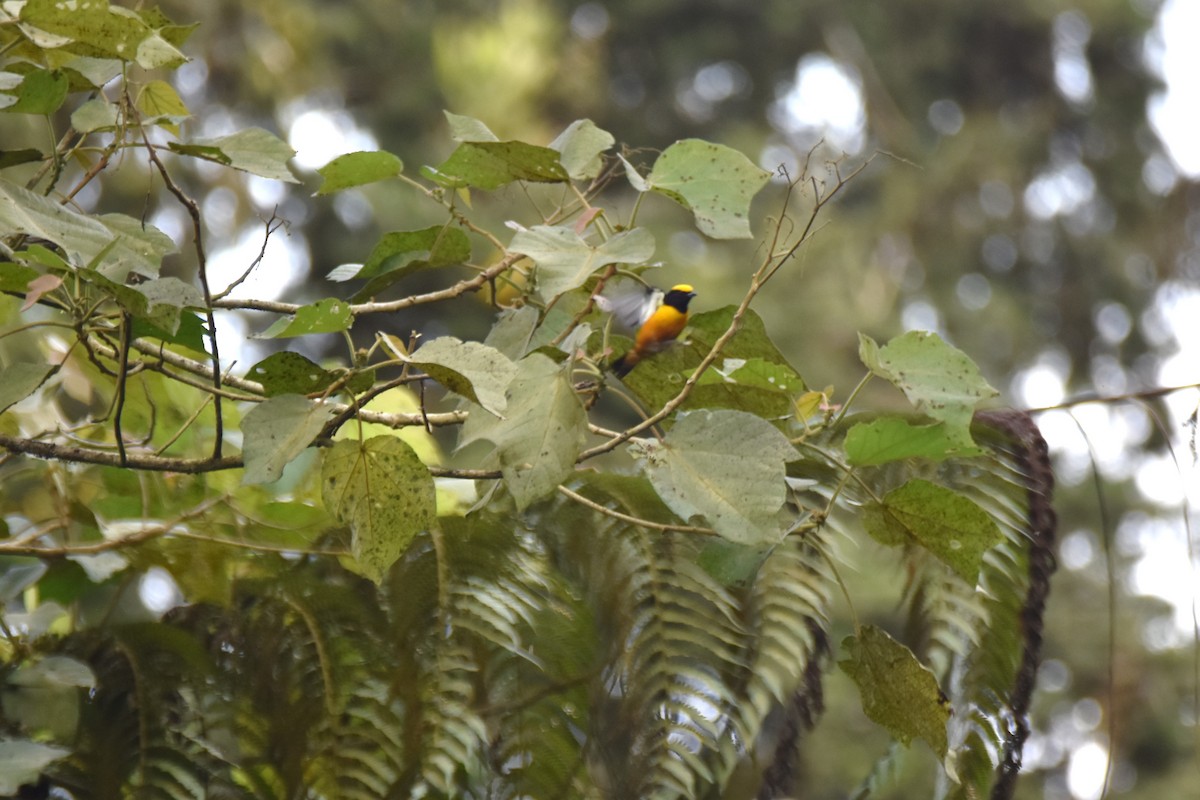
[(658, 318)]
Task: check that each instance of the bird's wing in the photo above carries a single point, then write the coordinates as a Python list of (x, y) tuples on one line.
[(630, 302)]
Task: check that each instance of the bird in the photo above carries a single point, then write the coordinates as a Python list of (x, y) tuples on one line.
[(658, 317)]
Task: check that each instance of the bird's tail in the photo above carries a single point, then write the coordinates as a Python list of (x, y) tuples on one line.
[(621, 366)]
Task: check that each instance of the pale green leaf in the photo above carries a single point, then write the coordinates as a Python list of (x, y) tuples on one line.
[(19, 380), (948, 524), (324, 316), (635, 178), (565, 260), (893, 438), (276, 431), (126, 243), (477, 372), (513, 331), (383, 492), (725, 466), (715, 182), (166, 299), (21, 762), (54, 672), (898, 691), (357, 169), (939, 380), (251, 150), (94, 115), (468, 129), (581, 146)]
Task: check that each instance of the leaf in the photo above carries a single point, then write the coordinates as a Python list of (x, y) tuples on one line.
[(537, 444), (581, 146), (21, 762), (160, 103), (41, 92), (127, 244), (565, 261), (490, 165), (94, 115), (251, 150), (111, 31), (38, 287), (634, 177), (401, 253), (190, 333), (726, 466), (716, 183), (898, 691), (949, 525), (357, 169), (165, 300), (286, 372), (276, 431), (13, 158), (893, 439), (18, 381), (477, 372), (324, 316), (468, 129), (513, 330), (383, 492), (937, 379), (54, 672)]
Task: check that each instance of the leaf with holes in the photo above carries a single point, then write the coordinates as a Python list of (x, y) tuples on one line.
[(383, 492), (948, 524), (716, 183), (286, 372), (725, 466), (276, 431)]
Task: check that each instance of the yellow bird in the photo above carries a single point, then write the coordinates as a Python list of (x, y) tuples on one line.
[(658, 318)]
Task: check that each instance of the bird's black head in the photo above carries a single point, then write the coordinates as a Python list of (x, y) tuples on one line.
[(679, 297)]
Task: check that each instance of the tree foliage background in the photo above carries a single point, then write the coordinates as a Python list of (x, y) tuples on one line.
[(1008, 193)]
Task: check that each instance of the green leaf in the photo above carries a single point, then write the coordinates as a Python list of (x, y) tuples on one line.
[(357, 169), (937, 379), (468, 129), (726, 466), (276, 431), (126, 243), (490, 165), (94, 115), (401, 253), (949, 525), (565, 261), (165, 300), (581, 146), (893, 439), (191, 332), (324, 316), (537, 443), (21, 762), (18, 381), (54, 672), (251, 150), (286, 372), (477, 372), (41, 92), (513, 331), (16, 277), (383, 492), (113, 32), (160, 103), (13, 158), (716, 183), (898, 691)]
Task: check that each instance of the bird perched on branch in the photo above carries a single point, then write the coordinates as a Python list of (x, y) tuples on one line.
[(657, 317)]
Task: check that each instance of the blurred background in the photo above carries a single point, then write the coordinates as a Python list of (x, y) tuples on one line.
[(1031, 195)]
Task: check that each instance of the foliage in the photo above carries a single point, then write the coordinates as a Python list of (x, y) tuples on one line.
[(641, 610)]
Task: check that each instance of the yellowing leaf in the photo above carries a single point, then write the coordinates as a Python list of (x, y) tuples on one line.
[(383, 492), (159, 102)]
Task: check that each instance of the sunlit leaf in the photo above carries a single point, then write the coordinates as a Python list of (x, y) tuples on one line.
[(159, 102), (898, 691), (946, 523), (276, 431), (726, 467), (894, 438), (324, 316), (111, 31), (565, 260), (357, 169), (716, 183), (383, 492)]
